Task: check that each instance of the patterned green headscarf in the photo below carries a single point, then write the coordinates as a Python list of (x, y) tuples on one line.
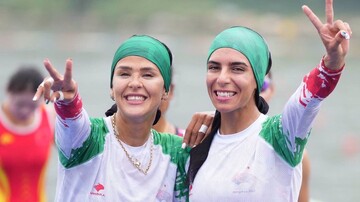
[(249, 43), (148, 48)]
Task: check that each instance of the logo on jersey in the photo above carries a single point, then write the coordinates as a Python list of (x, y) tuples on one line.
[(6, 139), (99, 188), (163, 194), (244, 182)]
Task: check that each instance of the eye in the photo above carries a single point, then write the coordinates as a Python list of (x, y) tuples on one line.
[(124, 74), (212, 67), (238, 69), (148, 75)]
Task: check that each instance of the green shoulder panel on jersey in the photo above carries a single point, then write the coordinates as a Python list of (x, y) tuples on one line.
[(92, 146), (272, 132), (171, 145)]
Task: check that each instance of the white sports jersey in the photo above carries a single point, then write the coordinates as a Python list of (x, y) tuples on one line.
[(94, 167), (263, 162), (247, 168)]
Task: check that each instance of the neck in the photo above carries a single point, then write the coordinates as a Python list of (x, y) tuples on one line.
[(234, 122), (12, 119), (133, 134)]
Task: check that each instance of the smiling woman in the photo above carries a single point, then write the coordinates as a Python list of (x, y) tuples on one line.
[(248, 155), (225, 66), (136, 88), (119, 157)]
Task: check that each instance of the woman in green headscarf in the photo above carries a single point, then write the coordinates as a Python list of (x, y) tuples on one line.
[(119, 157), (248, 155)]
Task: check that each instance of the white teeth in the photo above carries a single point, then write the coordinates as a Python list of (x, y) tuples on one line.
[(225, 94), (135, 98)]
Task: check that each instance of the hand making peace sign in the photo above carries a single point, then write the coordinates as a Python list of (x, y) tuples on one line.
[(335, 36), (63, 87)]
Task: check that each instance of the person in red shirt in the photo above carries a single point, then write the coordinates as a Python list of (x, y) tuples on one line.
[(26, 137)]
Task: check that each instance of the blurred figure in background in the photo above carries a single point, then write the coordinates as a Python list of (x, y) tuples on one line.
[(267, 92), (26, 136), (304, 195), (268, 88)]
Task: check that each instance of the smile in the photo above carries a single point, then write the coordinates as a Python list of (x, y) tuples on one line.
[(135, 98), (224, 93)]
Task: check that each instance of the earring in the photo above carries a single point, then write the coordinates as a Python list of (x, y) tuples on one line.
[(112, 97)]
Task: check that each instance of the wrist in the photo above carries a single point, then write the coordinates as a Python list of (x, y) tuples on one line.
[(329, 70), (333, 64), (69, 109)]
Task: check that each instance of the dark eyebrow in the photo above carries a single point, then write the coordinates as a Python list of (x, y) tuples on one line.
[(123, 67), (238, 63), (130, 68), (147, 69), (231, 64), (213, 62)]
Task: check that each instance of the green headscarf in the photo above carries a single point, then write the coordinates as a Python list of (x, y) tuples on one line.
[(148, 48), (249, 43)]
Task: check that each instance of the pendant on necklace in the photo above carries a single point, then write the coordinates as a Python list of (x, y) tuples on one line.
[(137, 163), (134, 160)]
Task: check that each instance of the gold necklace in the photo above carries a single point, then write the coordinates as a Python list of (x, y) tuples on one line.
[(136, 163)]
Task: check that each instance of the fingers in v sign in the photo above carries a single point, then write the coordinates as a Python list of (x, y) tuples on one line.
[(61, 87), (335, 35)]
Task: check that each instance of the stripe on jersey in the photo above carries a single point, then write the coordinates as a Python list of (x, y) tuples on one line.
[(290, 151), (92, 146), (171, 145)]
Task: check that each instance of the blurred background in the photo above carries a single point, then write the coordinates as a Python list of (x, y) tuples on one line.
[(90, 31)]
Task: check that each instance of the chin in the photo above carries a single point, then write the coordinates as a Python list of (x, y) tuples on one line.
[(223, 109), (22, 118)]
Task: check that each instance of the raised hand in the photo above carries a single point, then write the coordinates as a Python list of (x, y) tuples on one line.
[(57, 86), (335, 35)]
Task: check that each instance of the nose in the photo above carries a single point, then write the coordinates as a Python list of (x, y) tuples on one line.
[(223, 77), (135, 82)]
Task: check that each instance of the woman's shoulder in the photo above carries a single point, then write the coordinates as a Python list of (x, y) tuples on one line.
[(166, 137), (167, 141), (100, 125), (171, 145)]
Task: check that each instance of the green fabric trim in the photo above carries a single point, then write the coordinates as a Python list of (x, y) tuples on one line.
[(92, 146), (248, 42), (148, 48), (272, 132), (171, 145)]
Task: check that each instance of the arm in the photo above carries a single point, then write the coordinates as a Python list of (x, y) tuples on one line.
[(304, 195), (304, 105), (288, 133), (72, 123)]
